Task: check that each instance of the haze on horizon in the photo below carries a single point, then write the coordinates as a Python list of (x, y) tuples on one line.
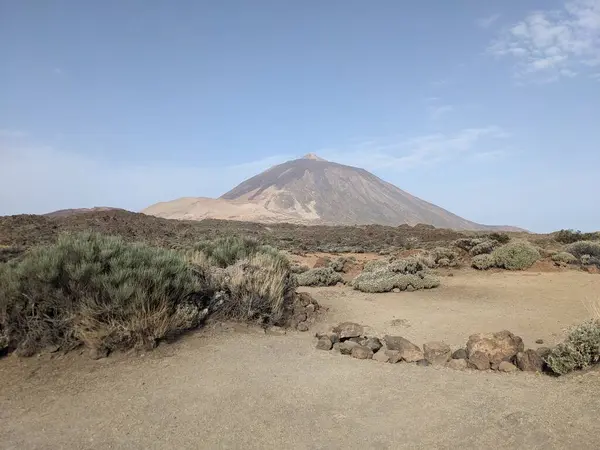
[(487, 109)]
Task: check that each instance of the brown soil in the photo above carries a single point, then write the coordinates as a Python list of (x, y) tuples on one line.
[(245, 389)]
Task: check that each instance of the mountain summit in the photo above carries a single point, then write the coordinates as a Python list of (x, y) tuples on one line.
[(311, 191)]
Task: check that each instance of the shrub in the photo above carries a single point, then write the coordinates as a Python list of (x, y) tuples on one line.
[(99, 291), (483, 248), (226, 251), (258, 288), (564, 257), (338, 264), (570, 236), (578, 249), (517, 255), (374, 265), (443, 253), (321, 276), (501, 238), (579, 350), (403, 274), (588, 260), (483, 262), (467, 244)]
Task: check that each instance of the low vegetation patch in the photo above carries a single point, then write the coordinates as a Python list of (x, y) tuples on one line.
[(564, 258), (582, 248), (99, 291), (516, 255), (226, 251), (581, 349), (404, 274), (570, 236), (320, 276), (483, 262), (108, 294)]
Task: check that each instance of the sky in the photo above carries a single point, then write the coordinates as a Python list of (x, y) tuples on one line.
[(488, 109)]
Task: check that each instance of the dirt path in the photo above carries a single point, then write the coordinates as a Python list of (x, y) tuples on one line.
[(248, 390)]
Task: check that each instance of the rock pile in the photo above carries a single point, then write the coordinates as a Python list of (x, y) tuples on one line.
[(501, 351), (304, 312)]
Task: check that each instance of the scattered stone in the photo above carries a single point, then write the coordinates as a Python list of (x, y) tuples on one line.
[(409, 352), (410, 288), (324, 344), (396, 290), (347, 346), (500, 346), (347, 330), (303, 326), (479, 360), (52, 349), (300, 317), (362, 352), (336, 347), (423, 363), (461, 353), (373, 343), (310, 310), (304, 298), (333, 337), (530, 361), (506, 366), (393, 356), (98, 353), (275, 331), (457, 364), (543, 352), (437, 353), (381, 356), (450, 274), (358, 340), (539, 341)]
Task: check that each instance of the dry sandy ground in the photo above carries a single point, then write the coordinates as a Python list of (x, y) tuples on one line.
[(245, 389)]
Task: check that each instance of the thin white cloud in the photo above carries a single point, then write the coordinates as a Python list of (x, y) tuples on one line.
[(422, 151), (436, 112), (39, 179), (555, 44), (487, 22)]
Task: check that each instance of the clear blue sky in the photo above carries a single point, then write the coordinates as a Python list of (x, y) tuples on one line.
[(489, 109)]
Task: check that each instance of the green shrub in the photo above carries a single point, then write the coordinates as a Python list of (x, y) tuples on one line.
[(448, 256), (403, 274), (375, 264), (570, 236), (501, 238), (578, 249), (321, 276), (564, 257), (483, 248), (579, 350), (516, 255), (483, 262), (588, 260), (226, 251), (99, 291)]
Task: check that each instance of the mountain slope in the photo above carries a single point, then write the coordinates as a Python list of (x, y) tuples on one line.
[(311, 190)]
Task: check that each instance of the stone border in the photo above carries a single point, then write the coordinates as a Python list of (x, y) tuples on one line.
[(501, 351)]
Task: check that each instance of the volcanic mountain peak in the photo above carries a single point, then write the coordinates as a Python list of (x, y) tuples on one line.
[(311, 191), (313, 156)]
